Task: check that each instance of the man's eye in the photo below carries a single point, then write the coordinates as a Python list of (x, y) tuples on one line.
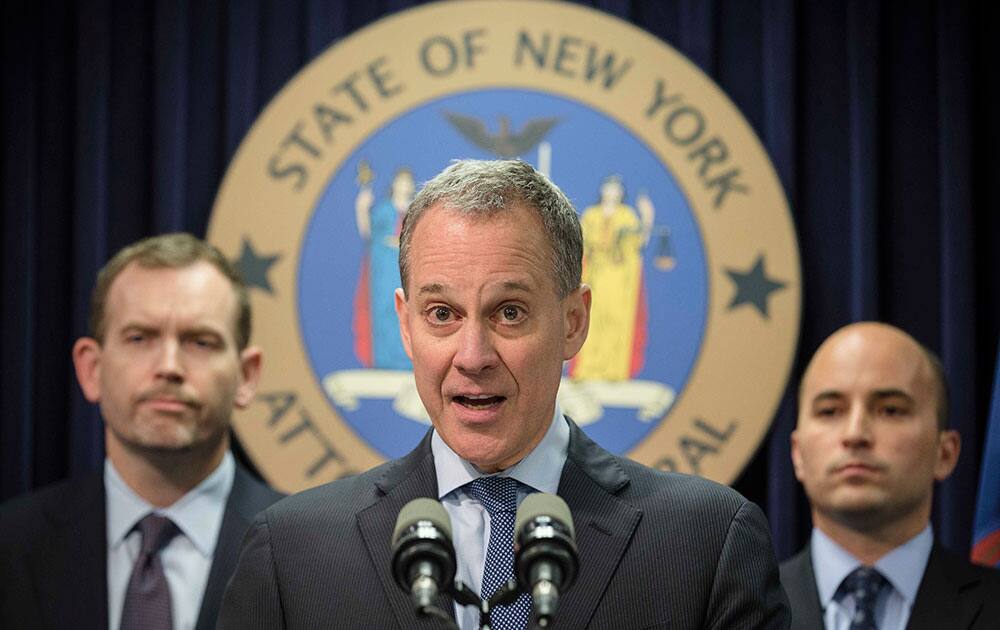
[(892, 410), (203, 342), (511, 313), (441, 315)]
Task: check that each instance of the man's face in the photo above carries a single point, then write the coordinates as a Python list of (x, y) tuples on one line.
[(867, 447), (168, 373), (487, 332)]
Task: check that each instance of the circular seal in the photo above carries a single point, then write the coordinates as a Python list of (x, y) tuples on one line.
[(688, 241)]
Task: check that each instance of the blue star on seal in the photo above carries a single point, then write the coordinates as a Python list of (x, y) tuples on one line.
[(753, 287), (254, 267)]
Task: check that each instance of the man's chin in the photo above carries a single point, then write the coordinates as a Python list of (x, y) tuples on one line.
[(170, 440), (862, 513), (485, 453), (164, 445)]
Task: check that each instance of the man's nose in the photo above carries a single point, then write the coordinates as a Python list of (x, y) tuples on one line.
[(475, 351), (858, 429), (170, 363)]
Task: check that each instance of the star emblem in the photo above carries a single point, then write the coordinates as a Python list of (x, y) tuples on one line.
[(254, 267), (753, 287)]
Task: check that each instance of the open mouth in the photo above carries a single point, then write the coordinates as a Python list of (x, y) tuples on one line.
[(479, 402)]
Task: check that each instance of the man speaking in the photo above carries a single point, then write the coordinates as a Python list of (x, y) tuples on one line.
[(491, 307)]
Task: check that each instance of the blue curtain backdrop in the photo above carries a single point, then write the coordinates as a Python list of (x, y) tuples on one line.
[(119, 119)]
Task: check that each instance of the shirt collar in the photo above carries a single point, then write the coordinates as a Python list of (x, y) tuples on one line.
[(540, 469), (903, 567), (198, 514)]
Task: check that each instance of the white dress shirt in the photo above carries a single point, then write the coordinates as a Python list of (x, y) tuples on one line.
[(903, 567), (187, 559), (470, 522)]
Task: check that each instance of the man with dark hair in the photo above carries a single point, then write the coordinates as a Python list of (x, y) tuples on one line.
[(872, 438), (491, 306), (152, 541)]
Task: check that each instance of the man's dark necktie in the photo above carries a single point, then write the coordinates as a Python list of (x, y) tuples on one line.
[(499, 496), (147, 600), (864, 585)]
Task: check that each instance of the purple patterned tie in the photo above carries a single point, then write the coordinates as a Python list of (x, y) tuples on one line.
[(499, 496), (147, 600), (864, 585)]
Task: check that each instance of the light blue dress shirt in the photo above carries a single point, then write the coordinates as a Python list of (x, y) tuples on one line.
[(903, 567), (470, 522), (186, 560)]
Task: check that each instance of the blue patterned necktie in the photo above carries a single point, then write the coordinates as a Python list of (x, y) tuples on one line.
[(498, 495), (864, 585), (147, 599)]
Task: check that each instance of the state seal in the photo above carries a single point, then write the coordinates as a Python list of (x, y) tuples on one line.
[(689, 245)]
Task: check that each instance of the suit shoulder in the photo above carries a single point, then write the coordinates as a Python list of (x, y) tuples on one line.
[(795, 564), (327, 504), (655, 488), (255, 493), (960, 569), (22, 518)]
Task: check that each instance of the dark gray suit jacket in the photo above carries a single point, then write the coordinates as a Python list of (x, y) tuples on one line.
[(657, 550), (953, 594), (53, 553)]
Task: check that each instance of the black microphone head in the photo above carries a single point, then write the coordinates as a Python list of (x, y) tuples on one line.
[(422, 539), (422, 509), (544, 504), (544, 535)]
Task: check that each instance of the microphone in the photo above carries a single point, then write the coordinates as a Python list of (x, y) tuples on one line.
[(423, 558), (545, 550)]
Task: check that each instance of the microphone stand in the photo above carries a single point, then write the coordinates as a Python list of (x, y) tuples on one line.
[(506, 594)]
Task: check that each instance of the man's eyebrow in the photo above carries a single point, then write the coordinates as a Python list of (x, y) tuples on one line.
[(202, 330), (434, 288), (882, 394), (829, 394), (134, 325), (513, 285)]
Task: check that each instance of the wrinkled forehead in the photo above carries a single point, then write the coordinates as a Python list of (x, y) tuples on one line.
[(198, 290)]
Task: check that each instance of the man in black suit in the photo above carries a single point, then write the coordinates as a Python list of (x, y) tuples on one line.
[(491, 307), (167, 360), (871, 440)]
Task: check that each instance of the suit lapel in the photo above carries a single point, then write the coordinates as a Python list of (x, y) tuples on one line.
[(589, 483), (71, 570), (240, 511), (407, 479), (799, 581), (604, 523), (940, 602)]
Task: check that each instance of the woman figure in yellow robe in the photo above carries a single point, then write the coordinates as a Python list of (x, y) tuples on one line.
[(614, 236)]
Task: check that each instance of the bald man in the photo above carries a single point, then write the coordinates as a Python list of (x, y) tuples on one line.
[(872, 438)]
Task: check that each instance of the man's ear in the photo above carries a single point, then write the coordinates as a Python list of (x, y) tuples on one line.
[(949, 447), (796, 456), (577, 320), (87, 363), (251, 360), (404, 322)]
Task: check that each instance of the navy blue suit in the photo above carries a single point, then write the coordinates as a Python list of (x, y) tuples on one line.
[(53, 553)]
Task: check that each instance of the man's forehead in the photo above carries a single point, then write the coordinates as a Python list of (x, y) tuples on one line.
[(436, 289), (868, 360), (143, 289)]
